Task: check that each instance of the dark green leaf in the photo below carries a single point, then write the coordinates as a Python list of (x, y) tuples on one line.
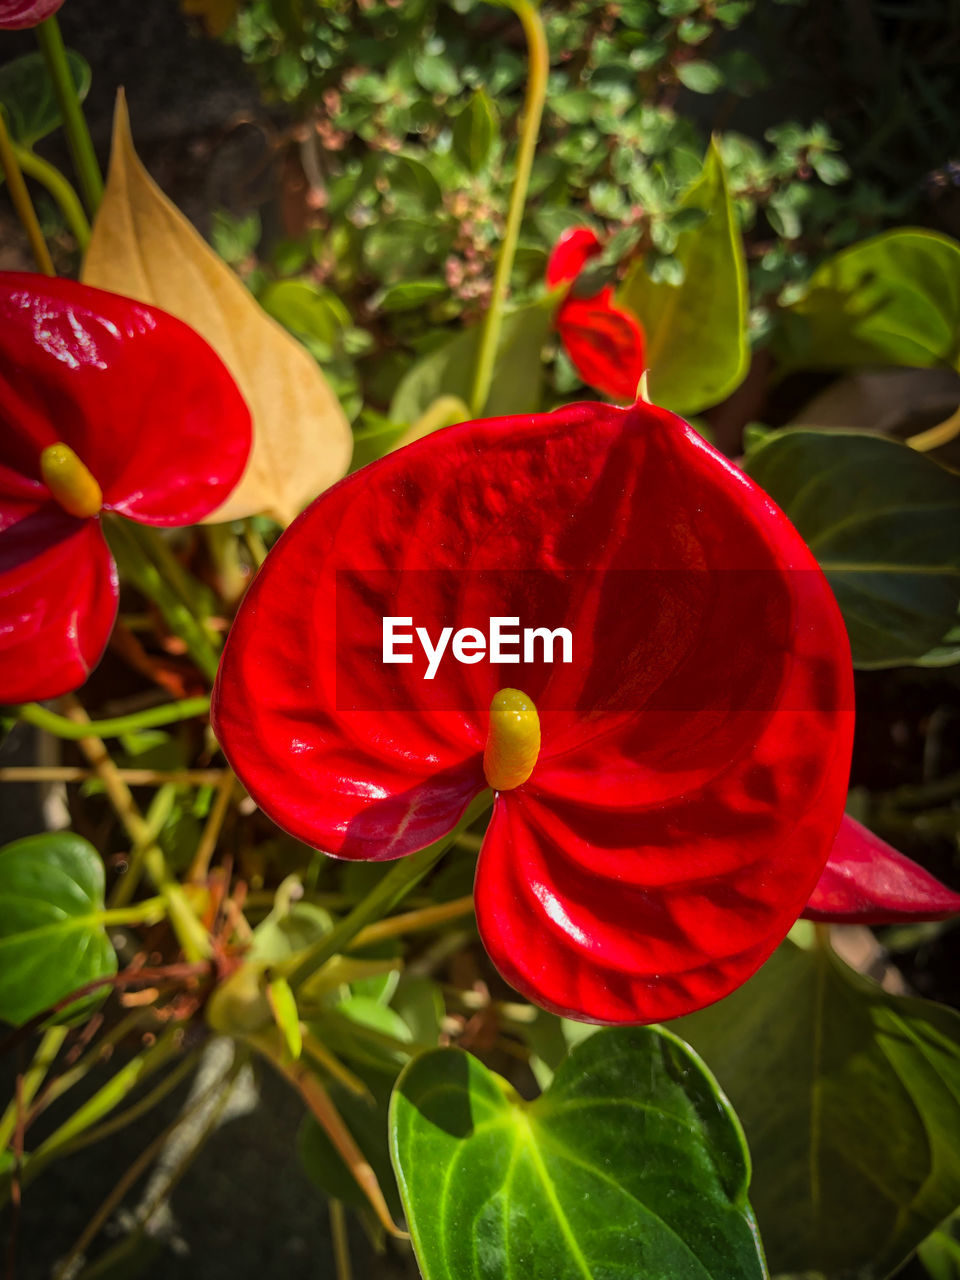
[(850, 1099), (52, 936), (517, 377), (884, 522), (894, 299), (630, 1165), (27, 97), (697, 348), (474, 132)]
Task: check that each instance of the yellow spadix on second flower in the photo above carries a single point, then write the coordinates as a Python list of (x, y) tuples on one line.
[(69, 481), (513, 740)]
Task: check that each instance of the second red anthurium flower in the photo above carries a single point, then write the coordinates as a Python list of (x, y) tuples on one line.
[(106, 405), (664, 801), (605, 342)]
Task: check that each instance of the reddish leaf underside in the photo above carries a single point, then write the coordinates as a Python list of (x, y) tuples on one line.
[(866, 881)]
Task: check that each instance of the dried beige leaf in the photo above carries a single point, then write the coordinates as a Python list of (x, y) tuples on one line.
[(142, 246)]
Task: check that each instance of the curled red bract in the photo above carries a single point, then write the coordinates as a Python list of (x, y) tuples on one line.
[(693, 763), (605, 342), (866, 881), (155, 418), (17, 14)]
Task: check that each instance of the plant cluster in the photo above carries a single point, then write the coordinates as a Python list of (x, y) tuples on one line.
[(205, 552)]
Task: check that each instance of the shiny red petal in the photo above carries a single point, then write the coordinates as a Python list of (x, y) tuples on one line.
[(17, 14), (58, 602), (570, 254), (866, 881), (141, 398), (695, 754), (605, 344)]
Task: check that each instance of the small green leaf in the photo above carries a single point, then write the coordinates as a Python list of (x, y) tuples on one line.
[(893, 299), (630, 1164), (850, 1099), (448, 371), (412, 294), (696, 328), (283, 1006), (52, 937), (700, 76), (474, 132), (884, 523), (28, 99), (306, 309)]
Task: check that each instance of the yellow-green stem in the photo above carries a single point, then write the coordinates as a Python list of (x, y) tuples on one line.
[(20, 198), (935, 437), (116, 727), (74, 123), (538, 73), (49, 176)]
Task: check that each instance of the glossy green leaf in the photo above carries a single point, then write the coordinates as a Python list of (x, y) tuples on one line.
[(884, 523), (517, 376), (850, 1099), (697, 349), (28, 99), (52, 936), (630, 1165), (700, 76), (474, 132), (893, 299)]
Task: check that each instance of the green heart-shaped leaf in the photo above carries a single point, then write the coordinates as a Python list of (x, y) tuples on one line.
[(850, 1099), (884, 524), (894, 299), (631, 1165), (27, 97), (52, 938)]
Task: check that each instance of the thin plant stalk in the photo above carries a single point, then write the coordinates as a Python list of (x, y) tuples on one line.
[(533, 103), (74, 122), (20, 198), (49, 176), (117, 726)]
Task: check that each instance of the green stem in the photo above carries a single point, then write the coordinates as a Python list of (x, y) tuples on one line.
[(143, 571), (539, 59), (169, 713), (49, 176), (159, 810), (74, 123), (20, 197), (403, 876)]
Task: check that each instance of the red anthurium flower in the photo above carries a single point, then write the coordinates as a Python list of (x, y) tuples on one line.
[(664, 801), (866, 881), (105, 405), (16, 14), (605, 343)]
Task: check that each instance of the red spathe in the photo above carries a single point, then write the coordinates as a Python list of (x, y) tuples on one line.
[(694, 756), (150, 410)]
